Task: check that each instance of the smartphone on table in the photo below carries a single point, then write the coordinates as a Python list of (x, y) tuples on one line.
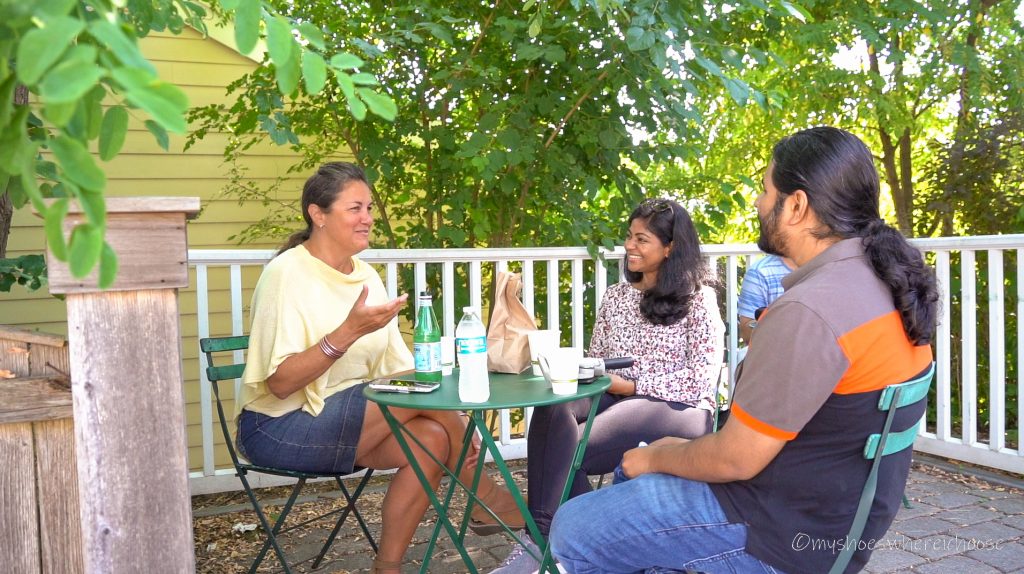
[(400, 386)]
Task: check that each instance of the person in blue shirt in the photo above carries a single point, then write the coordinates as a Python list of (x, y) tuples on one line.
[(762, 284)]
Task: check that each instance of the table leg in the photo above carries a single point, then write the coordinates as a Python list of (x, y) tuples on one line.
[(442, 511)]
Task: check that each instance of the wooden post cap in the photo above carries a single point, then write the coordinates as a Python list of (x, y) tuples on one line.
[(147, 234)]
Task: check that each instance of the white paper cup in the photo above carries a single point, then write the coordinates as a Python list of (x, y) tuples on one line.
[(447, 355), (542, 340), (563, 366)]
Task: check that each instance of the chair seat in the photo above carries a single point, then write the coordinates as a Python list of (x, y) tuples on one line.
[(308, 475)]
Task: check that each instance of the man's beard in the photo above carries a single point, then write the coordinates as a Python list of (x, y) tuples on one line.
[(771, 240)]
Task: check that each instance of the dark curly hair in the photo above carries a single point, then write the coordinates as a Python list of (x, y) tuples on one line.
[(837, 172), (685, 270)]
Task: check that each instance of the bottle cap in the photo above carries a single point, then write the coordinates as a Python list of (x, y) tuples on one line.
[(468, 309), (426, 294)]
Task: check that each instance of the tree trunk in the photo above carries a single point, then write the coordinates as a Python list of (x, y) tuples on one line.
[(6, 213), (964, 124), (903, 192), (6, 207)]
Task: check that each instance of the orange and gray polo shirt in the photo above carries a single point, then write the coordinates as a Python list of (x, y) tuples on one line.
[(816, 366)]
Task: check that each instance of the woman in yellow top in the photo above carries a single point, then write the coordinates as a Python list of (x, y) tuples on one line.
[(321, 325)]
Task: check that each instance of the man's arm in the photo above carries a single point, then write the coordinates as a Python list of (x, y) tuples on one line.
[(745, 329), (737, 452)]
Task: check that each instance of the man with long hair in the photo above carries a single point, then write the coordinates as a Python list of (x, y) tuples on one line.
[(778, 487)]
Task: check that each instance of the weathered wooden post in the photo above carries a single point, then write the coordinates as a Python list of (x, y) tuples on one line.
[(39, 525), (125, 349)]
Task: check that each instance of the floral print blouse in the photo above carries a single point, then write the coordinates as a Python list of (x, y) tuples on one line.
[(678, 363)]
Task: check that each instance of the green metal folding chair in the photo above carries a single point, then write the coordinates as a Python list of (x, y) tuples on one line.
[(216, 375), (879, 445)]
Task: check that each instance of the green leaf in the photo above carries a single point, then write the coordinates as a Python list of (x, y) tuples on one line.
[(313, 34), (379, 104), (93, 204), (54, 7), (112, 132), (108, 266), (53, 224), (709, 66), (228, 4), (364, 79), (166, 103), (42, 47), (346, 84), (280, 42), (29, 184), (84, 248), (535, 26), (357, 108), (93, 105), (798, 12), (77, 163), (247, 25), (287, 75), (15, 191), (73, 77), (739, 91), (7, 98), (60, 114), (14, 143), (124, 47), (159, 133), (314, 71), (345, 61)]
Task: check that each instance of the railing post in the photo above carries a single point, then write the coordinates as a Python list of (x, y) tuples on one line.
[(126, 378)]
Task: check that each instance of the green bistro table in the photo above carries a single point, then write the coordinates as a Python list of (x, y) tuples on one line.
[(507, 391)]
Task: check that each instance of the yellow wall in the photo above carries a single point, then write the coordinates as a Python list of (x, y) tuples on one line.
[(202, 67)]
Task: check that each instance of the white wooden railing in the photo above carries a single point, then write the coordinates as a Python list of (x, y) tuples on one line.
[(462, 274)]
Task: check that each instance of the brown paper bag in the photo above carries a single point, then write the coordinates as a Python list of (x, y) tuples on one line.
[(508, 348)]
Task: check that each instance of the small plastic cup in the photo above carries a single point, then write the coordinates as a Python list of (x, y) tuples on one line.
[(540, 341), (447, 355), (563, 368)]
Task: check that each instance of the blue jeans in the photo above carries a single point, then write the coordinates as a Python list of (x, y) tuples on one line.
[(653, 523)]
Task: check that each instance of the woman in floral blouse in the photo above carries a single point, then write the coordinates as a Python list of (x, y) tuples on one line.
[(665, 316)]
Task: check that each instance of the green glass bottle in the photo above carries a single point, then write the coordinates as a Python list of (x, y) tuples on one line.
[(426, 340)]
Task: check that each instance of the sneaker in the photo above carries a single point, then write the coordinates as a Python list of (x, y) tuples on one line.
[(519, 560)]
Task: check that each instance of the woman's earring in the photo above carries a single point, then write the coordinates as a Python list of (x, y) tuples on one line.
[(321, 226)]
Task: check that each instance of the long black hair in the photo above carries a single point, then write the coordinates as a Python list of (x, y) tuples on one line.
[(682, 274), (836, 171), (321, 189)]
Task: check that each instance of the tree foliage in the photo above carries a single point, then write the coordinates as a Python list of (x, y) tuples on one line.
[(933, 87), (80, 60), (517, 123)]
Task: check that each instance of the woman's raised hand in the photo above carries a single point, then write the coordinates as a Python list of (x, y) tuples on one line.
[(363, 318)]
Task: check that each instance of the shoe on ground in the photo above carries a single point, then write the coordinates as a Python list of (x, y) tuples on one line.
[(519, 560)]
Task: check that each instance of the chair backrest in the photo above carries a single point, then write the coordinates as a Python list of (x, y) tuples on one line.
[(215, 374), (893, 398)]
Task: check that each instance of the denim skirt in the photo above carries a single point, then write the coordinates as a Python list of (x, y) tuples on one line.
[(325, 443)]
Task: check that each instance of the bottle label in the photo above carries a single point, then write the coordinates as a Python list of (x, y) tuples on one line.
[(471, 345), (427, 357)]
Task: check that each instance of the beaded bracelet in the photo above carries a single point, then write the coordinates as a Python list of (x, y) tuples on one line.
[(330, 350)]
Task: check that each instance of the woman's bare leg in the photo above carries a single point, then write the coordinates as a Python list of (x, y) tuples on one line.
[(405, 501), (376, 429)]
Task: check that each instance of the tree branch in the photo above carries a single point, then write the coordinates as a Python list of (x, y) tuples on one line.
[(565, 119)]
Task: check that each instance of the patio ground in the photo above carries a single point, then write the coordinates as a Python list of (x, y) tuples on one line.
[(963, 523)]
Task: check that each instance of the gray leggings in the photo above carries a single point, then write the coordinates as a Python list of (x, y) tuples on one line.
[(621, 423)]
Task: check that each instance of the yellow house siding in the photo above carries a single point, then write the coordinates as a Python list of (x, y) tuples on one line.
[(202, 67)]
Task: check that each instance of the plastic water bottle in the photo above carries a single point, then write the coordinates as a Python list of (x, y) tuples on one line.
[(426, 341), (471, 350)]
